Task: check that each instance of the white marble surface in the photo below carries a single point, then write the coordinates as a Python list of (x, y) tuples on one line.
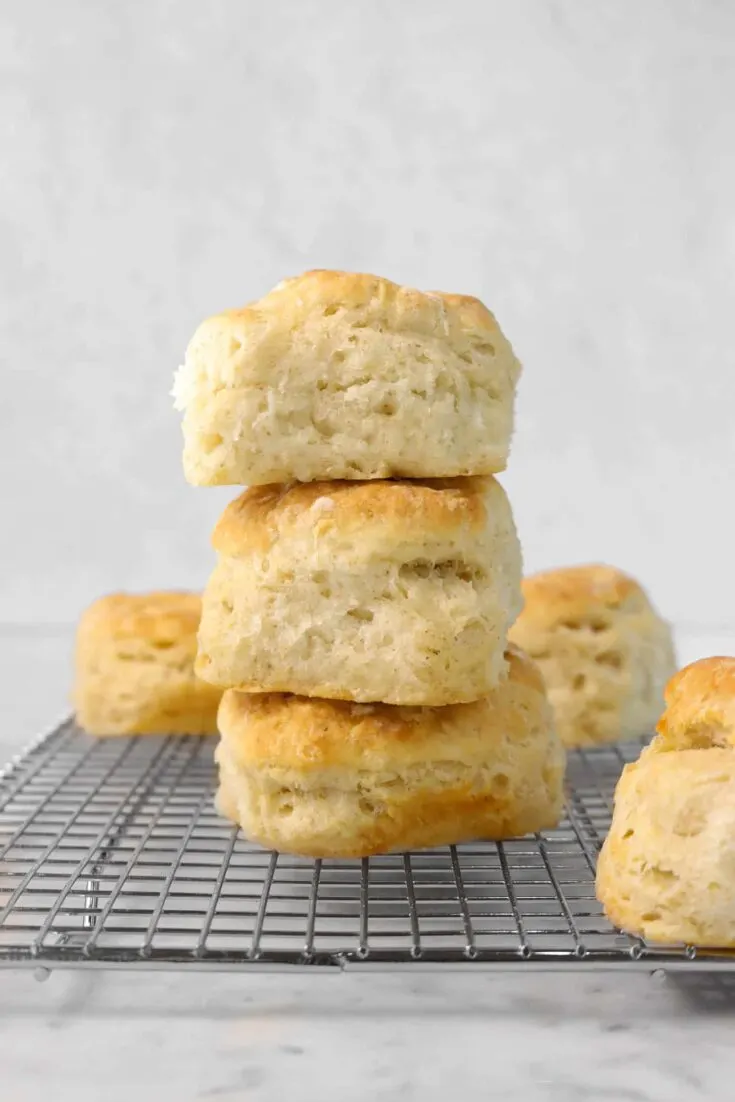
[(570, 162), (365, 1038), (356, 1036)]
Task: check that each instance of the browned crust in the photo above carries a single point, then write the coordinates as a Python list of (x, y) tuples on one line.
[(263, 514), (406, 307), (311, 734), (157, 617), (555, 596), (700, 706)]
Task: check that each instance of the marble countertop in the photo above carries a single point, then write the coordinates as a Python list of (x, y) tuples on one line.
[(88, 1036)]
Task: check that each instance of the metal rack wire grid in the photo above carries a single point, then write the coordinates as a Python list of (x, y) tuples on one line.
[(111, 854)]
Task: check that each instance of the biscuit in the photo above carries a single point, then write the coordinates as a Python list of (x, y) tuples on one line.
[(400, 592), (332, 779), (336, 375), (135, 667), (604, 652), (667, 869)]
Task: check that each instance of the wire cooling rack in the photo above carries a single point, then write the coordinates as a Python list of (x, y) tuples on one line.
[(111, 855)]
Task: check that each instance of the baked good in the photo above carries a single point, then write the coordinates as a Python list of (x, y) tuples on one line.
[(394, 591), (336, 375), (135, 667), (333, 779), (603, 650), (700, 707), (667, 869)]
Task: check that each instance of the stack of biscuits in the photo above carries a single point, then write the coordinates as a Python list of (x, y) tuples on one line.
[(366, 580)]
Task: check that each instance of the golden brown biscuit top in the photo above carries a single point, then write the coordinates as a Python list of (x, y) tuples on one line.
[(327, 292), (158, 617), (700, 706), (264, 514), (556, 597), (312, 734)]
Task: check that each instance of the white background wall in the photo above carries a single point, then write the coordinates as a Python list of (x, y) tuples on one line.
[(571, 163)]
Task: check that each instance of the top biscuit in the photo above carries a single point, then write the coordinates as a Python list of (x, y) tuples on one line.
[(335, 375)]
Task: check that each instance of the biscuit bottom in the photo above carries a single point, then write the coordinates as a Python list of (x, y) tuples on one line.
[(325, 778), (148, 701), (418, 635), (384, 814), (667, 869)]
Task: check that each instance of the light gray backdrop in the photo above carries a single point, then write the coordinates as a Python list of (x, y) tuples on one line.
[(571, 163)]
